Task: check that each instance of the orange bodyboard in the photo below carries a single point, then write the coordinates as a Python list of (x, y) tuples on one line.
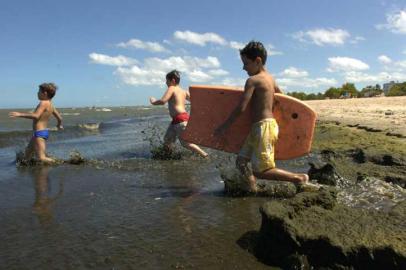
[(211, 106)]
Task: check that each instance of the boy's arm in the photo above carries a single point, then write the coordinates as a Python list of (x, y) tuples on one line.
[(245, 99), (167, 95), (187, 95), (34, 116), (58, 117)]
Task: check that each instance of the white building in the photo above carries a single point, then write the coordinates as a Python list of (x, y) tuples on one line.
[(388, 86)]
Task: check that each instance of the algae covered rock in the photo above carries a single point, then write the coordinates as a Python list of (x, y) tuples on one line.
[(236, 185), (327, 235)]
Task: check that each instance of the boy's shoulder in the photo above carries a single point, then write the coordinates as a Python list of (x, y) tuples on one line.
[(47, 104), (260, 78)]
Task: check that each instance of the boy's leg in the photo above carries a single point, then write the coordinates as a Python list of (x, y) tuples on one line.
[(169, 138), (179, 128), (40, 148), (30, 149), (242, 166), (282, 175), (193, 148)]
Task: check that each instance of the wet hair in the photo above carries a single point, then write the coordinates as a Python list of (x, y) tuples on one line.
[(49, 88), (253, 50), (174, 74)]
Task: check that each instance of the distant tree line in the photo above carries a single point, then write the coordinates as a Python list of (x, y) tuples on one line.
[(348, 90)]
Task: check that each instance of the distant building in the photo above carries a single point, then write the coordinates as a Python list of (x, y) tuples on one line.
[(388, 86)]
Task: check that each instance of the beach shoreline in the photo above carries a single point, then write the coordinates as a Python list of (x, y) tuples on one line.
[(384, 114)]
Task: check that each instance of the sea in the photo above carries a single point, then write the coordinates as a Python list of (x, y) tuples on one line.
[(124, 209)]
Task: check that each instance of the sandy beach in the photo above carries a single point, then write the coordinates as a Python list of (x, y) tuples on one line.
[(387, 114)]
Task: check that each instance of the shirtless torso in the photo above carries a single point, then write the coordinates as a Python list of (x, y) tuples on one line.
[(263, 88), (42, 122)]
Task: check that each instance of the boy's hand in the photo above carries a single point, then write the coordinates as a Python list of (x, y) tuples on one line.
[(59, 126), (152, 100), (14, 114)]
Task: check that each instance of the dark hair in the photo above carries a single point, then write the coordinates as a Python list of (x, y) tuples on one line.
[(49, 88), (253, 50), (174, 74)]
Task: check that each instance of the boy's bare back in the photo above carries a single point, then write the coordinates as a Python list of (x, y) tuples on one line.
[(263, 87), (176, 103)]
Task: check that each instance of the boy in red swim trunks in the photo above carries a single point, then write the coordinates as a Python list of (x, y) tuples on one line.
[(40, 118), (176, 98)]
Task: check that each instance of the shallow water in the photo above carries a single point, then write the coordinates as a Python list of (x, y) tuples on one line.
[(124, 210)]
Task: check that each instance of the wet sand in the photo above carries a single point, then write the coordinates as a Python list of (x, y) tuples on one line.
[(387, 114)]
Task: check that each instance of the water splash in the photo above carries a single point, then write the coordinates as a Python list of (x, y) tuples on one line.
[(372, 193), (153, 134)]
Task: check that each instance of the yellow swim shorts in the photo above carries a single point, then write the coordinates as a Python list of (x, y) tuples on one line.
[(260, 144)]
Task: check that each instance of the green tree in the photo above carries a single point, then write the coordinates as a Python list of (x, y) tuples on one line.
[(333, 92), (349, 89), (398, 89), (370, 91), (298, 95)]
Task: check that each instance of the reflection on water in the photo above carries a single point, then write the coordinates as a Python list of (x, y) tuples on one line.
[(44, 199)]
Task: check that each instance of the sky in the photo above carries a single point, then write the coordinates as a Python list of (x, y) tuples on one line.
[(116, 53)]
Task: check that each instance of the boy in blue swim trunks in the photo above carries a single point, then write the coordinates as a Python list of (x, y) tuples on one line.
[(259, 146), (40, 118)]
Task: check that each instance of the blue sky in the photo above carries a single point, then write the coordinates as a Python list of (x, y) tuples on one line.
[(113, 53)]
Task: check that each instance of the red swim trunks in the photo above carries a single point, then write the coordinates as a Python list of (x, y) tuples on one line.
[(182, 117)]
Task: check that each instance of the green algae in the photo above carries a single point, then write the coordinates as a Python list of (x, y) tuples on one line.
[(357, 153)]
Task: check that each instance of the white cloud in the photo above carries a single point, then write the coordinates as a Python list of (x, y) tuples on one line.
[(395, 22), (298, 79), (271, 50), (139, 44), (300, 83), (401, 64), (199, 39), (183, 64), (293, 72), (394, 71), (322, 36), (199, 76), (137, 76), (231, 81), (236, 45), (384, 59), (382, 77), (154, 70), (111, 61), (346, 64), (357, 39), (218, 72)]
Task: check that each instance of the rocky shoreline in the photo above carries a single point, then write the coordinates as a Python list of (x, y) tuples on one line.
[(313, 231), (316, 230)]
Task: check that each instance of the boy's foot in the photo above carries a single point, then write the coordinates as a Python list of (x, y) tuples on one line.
[(306, 185), (252, 186), (305, 178), (48, 161), (309, 187)]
